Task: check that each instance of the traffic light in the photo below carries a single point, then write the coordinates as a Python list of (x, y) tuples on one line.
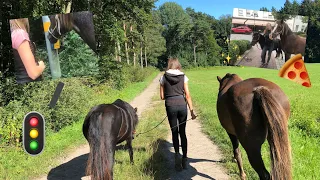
[(33, 133)]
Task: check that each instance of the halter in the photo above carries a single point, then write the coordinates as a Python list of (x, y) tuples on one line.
[(57, 25), (281, 32)]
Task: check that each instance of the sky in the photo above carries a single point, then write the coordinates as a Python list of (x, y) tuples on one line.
[(217, 8)]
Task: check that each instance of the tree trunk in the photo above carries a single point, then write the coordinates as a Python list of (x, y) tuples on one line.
[(119, 51), (133, 48), (195, 55), (66, 8), (125, 43), (116, 53), (145, 56), (141, 56)]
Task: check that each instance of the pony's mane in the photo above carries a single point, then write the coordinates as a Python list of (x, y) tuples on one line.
[(66, 20)]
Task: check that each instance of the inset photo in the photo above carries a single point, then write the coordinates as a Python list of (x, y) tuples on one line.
[(273, 40), (54, 46)]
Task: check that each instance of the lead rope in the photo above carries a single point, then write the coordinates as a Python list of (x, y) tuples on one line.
[(161, 123)]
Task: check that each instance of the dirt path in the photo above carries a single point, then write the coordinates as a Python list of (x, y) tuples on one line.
[(204, 155)]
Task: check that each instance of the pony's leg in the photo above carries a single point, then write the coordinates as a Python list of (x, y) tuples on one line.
[(254, 155), (237, 155), (129, 144), (287, 57)]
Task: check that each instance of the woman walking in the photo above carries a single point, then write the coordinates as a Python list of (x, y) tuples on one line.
[(174, 90), (268, 44)]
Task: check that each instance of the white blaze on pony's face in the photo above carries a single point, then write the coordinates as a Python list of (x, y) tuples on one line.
[(275, 27)]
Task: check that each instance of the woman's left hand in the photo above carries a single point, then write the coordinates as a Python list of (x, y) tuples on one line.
[(270, 36)]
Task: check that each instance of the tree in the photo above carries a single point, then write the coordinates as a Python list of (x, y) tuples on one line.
[(264, 9)]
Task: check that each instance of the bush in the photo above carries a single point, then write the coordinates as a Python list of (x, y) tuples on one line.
[(238, 48), (77, 98), (234, 52)]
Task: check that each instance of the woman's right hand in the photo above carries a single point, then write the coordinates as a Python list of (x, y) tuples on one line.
[(42, 65), (193, 116)]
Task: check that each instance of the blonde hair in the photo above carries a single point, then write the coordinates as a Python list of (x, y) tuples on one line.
[(22, 23), (173, 63)]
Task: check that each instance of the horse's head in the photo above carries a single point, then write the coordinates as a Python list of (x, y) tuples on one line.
[(280, 28), (227, 81), (255, 38), (60, 24)]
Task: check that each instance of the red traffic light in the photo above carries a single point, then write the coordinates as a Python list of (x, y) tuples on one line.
[(34, 121)]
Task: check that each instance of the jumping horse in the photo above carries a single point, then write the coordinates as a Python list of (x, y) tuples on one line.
[(80, 22), (291, 43), (259, 38), (252, 111), (105, 126)]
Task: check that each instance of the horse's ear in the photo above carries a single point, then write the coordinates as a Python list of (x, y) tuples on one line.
[(135, 109), (282, 21), (219, 78)]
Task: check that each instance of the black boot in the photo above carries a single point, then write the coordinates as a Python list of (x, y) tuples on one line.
[(184, 163), (178, 165)]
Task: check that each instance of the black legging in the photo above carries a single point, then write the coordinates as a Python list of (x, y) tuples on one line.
[(179, 113)]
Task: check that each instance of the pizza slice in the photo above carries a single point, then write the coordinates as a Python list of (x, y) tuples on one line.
[(295, 70)]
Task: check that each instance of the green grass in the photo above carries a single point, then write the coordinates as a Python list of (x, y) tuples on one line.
[(15, 164), (304, 124), (149, 160)]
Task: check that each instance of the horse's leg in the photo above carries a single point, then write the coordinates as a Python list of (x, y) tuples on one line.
[(237, 155), (287, 57), (129, 144), (253, 149)]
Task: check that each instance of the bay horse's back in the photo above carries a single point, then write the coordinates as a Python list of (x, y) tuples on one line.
[(257, 110)]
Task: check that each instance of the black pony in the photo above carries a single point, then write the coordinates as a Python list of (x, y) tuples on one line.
[(80, 22), (257, 37), (105, 126)]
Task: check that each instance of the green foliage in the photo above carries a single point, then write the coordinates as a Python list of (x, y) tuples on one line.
[(78, 96), (238, 48), (76, 58)]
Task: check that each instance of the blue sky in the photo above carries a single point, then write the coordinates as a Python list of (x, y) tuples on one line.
[(217, 8)]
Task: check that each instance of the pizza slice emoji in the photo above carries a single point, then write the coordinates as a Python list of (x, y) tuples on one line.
[(295, 70)]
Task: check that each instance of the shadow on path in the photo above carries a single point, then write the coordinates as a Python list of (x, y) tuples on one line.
[(161, 164), (75, 168)]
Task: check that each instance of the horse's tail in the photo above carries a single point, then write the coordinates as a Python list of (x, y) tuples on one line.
[(278, 136), (97, 165)]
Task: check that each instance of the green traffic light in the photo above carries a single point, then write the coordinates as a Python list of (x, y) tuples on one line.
[(33, 145)]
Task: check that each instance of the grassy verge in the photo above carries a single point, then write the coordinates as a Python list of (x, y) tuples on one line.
[(303, 124), (16, 164), (149, 161)]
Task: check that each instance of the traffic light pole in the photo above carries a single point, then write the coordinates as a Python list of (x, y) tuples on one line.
[(52, 53)]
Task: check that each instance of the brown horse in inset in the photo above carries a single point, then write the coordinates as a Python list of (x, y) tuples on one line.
[(291, 43), (252, 111)]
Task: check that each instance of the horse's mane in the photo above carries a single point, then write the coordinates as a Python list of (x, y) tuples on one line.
[(66, 20), (287, 31), (125, 106)]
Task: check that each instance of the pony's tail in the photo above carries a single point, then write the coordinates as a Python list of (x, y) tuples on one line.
[(97, 165), (278, 136)]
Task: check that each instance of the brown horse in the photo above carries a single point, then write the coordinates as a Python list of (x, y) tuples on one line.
[(105, 126), (252, 111), (290, 42)]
